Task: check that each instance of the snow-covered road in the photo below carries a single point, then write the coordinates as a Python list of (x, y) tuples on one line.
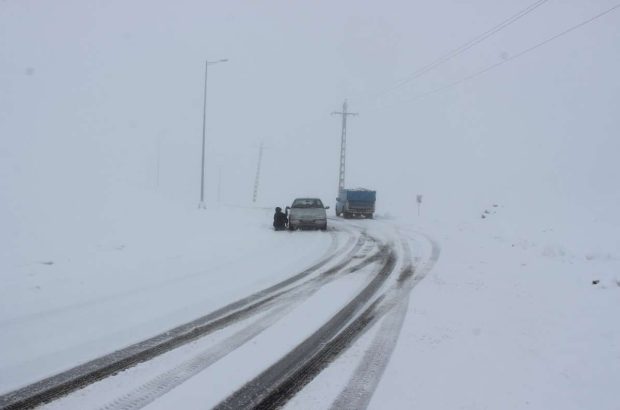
[(261, 349), (222, 311)]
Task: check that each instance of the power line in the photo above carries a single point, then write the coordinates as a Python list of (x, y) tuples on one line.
[(446, 57), (513, 57), (464, 47)]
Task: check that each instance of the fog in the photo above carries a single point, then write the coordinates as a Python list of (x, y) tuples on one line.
[(98, 99)]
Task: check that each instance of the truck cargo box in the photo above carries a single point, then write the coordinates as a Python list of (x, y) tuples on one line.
[(356, 202), (364, 195)]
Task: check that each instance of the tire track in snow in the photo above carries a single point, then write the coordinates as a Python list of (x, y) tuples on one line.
[(73, 379), (274, 386), (163, 383), (362, 385)]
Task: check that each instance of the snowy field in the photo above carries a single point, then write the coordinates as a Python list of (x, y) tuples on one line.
[(509, 321), (501, 320)]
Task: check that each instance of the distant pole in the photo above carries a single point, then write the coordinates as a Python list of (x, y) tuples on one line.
[(158, 160), (202, 204), (256, 180), (204, 134), (419, 201), (343, 144), (219, 186)]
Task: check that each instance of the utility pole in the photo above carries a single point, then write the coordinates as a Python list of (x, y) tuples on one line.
[(260, 160), (343, 143), (202, 204)]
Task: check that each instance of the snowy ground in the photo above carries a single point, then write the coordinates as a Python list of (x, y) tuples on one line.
[(508, 317), (509, 322)]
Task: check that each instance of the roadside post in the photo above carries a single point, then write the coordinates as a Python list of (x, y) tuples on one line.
[(418, 199)]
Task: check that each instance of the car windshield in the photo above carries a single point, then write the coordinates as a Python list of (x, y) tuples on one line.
[(307, 203)]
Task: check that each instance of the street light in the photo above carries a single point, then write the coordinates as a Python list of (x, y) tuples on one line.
[(202, 204)]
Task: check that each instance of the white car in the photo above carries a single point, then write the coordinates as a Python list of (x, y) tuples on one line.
[(307, 213)]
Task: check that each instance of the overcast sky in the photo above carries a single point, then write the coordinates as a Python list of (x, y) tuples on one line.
[(91, 91)]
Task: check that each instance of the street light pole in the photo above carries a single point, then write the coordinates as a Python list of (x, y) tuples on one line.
[(202, 203)]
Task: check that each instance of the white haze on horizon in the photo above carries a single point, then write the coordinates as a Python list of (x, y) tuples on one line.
[(91, 91)]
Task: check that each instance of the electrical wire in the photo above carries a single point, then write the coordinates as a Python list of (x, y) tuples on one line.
[(464, 47), (513, 57)]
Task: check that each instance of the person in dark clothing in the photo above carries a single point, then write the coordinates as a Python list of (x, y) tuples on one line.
[(280, 219)]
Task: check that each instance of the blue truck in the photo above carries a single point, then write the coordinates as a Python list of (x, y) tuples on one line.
[(356, 202)]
